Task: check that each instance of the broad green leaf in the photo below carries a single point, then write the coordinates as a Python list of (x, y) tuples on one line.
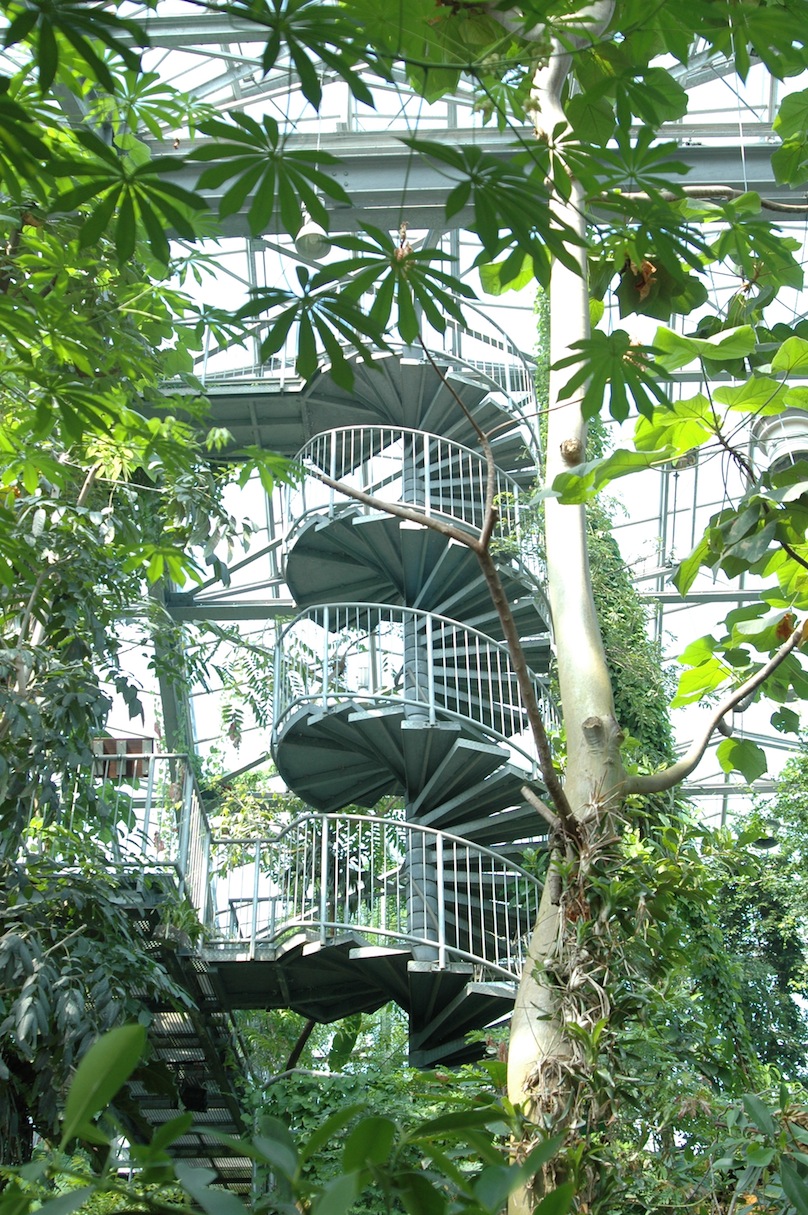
[(338, 1196), (370, 1142), (698, 651), (497, 1182), (758, 1112), (759, 1156), (279, 1149), (676, 350), (759, 395), (696, 682), (790, 162), (493, 1186), (792, 116), (65, 1204), (457, 1120), (558, 1201), (328, 1130), (196, 1182), (175, 1128), (795, 1187), (417, 1194), (584, 481), (656, 97), (592, 117), (16, 1201), (99, 1076), (499, 277), (741, 755), (792, 357), (786, 721), (688, 569), (676, 428), (762, 625)]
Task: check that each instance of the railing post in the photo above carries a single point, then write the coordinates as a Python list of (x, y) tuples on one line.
[(256, 876), (430, 670), (441, 902), (147, 809), (185, 828), (326, 637), (323, 877), (332, 467), (373, 661), (205, 893), (280, 674), (427, 477)]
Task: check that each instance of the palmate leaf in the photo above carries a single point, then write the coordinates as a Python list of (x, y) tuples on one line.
[(256, 157), (137, 198), (99, 1076), (509, 201), (400, 274), (299, 28), (640, 165), (22, 152), (613, 362), (82, 26), (330, 324)]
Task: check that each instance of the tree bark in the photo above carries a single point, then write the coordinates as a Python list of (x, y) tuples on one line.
[(538, 1065)]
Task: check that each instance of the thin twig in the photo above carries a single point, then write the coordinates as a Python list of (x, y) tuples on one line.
[(658, 782)]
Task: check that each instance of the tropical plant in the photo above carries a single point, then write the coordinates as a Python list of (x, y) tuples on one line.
[(599, 154)]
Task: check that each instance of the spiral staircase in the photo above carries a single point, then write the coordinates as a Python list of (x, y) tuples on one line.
[(397, 718), (393, 682)]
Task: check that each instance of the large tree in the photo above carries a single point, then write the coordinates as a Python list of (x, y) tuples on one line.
[(593, 200)]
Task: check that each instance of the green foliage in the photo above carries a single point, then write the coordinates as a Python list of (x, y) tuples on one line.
[(437, 1164), (639, 679), (68, 949), (97, 498), (616, 362), (255, 155)]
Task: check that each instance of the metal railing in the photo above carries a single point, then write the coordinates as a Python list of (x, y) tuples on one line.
[(395, 464), (163, 826), (371, 654), (391, 882), (483, 352), (325, 875)]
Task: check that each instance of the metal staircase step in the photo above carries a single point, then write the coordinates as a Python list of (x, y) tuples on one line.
[(424, 749), (464, 767), (388, 968), (328, 776), (442, 1038)]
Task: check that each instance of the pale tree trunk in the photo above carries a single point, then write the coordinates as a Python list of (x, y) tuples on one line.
[(539, 1062)]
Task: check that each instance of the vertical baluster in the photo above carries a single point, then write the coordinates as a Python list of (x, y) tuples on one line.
[(324, 828), (424, 623), (507, 899), (256, 874), (441, 901), (332, 472), (480, 910)]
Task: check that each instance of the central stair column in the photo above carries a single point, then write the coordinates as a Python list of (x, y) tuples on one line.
[(422, 884), (419, 866)]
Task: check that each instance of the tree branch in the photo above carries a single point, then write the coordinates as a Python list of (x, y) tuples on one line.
[(411, 513), (659, 782), (480, 546)]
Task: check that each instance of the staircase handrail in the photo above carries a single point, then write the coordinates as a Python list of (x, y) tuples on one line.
[(325, 451), (333, 619), (339, 885)]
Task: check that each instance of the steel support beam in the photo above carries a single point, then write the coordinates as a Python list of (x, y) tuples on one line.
[(388, 183)]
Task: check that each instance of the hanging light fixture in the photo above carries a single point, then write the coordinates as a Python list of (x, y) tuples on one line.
[(312, 239)]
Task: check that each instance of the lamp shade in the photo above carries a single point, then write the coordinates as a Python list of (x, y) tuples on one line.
[(312, 240)]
